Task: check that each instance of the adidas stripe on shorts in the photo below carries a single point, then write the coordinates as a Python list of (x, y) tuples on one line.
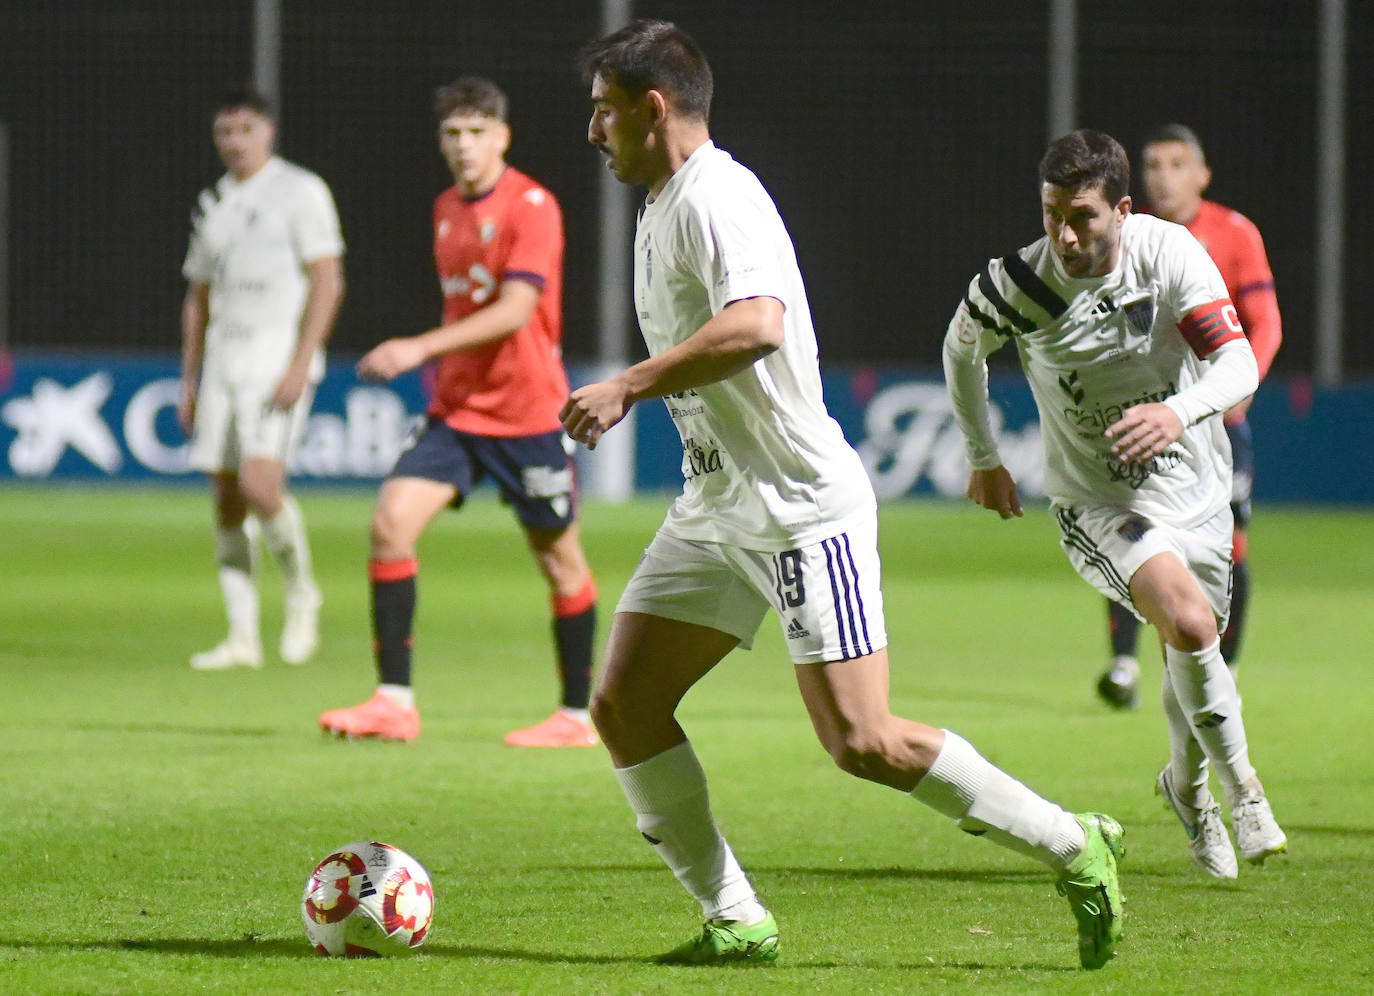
[(1107, 545), (827, 595)]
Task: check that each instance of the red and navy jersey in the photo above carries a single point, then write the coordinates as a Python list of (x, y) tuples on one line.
[(1235, 245), (517, 386)]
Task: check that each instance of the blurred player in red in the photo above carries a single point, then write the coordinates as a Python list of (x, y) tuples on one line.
[(1175, 175), (499, 385)]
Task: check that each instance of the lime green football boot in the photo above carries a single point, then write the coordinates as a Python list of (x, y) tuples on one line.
[(723, 941), (1094, 893)]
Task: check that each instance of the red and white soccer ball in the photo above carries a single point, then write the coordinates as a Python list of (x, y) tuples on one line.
[(367, 899)]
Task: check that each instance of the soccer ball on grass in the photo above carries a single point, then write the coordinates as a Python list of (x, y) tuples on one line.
[(366, 899)]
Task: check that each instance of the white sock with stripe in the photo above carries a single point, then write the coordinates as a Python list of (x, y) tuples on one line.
[(669, 798), (236, 554), (983, 799), (284, 535), (1187, 760), (1207, 695)]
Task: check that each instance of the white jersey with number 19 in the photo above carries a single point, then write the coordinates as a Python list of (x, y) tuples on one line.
[(1092, 348), (765, 466)]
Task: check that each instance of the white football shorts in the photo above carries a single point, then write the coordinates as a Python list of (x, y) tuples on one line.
[(234, 423), (827, 596), (1107, 545)]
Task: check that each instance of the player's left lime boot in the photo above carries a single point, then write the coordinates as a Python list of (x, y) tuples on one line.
[(1094, 893), (723, 941)]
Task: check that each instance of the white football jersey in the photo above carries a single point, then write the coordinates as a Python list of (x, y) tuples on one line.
[(765, 466), (250, 243), (1093, 347)]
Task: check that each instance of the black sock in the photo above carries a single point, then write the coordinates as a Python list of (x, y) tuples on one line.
[(1123, 626), (572, 635), (1240, 596), (393, 612)]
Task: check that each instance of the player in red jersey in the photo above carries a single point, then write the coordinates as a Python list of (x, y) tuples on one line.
[(498, 388), (1175, 174)]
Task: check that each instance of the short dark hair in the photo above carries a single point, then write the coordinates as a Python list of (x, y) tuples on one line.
[(470, 94), (1174, 132), (238, 97), (1087, 158), (653, 55)]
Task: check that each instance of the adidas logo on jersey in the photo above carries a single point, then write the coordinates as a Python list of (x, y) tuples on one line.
[(796, 631)]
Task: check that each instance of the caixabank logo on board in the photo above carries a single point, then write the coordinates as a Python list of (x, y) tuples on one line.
[(113, 417)]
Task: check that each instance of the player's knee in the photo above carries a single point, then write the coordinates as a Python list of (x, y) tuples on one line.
[(1195, 626), (386, 533), (263, 496), (611, 714)]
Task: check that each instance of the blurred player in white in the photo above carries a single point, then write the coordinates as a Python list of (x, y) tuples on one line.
[(776, 511), (264, 282), (1133, 350), (1175, 174)]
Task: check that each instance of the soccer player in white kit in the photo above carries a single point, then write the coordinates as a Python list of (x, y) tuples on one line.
[(776, 511), (264, 281), (1132, 349)]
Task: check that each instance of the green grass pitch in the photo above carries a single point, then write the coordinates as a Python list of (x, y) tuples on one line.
[(158, 825)]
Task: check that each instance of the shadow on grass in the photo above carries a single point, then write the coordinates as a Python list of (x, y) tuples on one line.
[(182, 730), (248, 947), (1305, 829), (985, 875)]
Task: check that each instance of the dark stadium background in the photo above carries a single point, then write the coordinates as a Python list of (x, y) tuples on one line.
[(899, 140)]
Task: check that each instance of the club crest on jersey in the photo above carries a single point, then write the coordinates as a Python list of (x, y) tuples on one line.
[(1132, 530), (486, 230), (442, 228), (1141, 316)]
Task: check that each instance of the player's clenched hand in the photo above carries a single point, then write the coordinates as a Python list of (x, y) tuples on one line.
[(1144, 432), (593, 409), (994, 489), (289, 389), (391, 359)]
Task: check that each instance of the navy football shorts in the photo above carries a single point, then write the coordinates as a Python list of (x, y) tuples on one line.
[(534, 473)]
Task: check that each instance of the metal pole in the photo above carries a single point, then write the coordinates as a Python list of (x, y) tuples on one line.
[(267, 50), (4, 243), (610, 469), (1062, 110), (1332, 96)]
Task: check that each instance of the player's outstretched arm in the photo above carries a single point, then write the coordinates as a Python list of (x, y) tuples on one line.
[(741, 334), (501, 319), (995, 490)]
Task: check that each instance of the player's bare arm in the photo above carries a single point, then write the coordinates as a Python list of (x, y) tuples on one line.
[(743, 333), (195, 315), (995, 490), (501, 319), (325, 294)]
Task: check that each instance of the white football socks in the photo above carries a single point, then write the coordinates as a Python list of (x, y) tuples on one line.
[(669, 798), (402, 695), (284, 535), (983, 799), (1207, 695), (1187, 760), (236, 554)]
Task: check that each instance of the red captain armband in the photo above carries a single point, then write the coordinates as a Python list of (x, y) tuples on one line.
[(1207, 326)]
